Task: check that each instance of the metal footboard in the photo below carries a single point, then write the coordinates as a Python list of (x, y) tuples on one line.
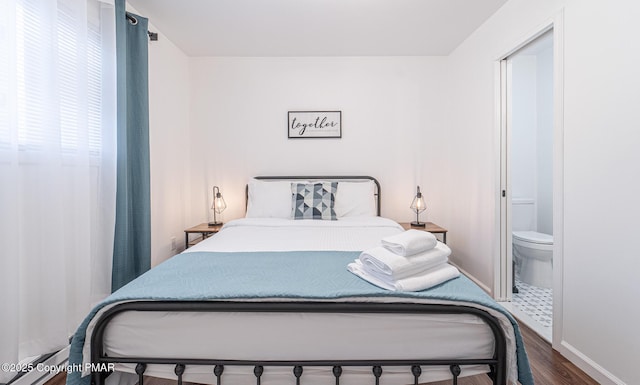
[(496, 363)]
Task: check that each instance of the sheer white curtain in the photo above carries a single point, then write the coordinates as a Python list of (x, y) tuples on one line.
[(57, 169)]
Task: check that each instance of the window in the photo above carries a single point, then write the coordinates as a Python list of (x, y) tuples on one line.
[(51, 88)]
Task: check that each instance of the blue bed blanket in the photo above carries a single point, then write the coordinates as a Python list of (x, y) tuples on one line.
[(304, 275)]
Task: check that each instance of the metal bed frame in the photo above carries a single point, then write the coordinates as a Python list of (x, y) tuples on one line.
[(497, 362), (323, 178)]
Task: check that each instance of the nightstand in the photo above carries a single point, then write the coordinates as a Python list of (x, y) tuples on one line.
[(430, 227), (203, 229)]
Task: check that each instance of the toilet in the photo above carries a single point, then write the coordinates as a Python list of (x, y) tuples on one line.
[(532, 251)]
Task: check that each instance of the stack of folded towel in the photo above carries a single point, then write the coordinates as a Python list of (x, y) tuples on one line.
[(410, 261)]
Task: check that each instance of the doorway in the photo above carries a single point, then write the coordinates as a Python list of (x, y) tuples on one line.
[(529, 151)]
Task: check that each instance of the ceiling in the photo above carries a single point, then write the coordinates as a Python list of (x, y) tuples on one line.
[(316, 27)]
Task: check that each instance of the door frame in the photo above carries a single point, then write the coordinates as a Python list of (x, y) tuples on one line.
[(503, 259)]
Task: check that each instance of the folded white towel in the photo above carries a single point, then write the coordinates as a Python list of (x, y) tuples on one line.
[(426, 280), (382, 260), (410, 242)]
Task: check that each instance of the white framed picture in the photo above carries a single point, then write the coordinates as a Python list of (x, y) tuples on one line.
[(314, 124)]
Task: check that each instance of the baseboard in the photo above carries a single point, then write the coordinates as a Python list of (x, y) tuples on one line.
[(587, 365), (474, 279), (44, 371)]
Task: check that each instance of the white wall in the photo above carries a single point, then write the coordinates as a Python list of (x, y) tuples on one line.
[(601, 138), (392, 118), (531, 167), (524, 123), (169, 144), (544, 140), (602, 95)]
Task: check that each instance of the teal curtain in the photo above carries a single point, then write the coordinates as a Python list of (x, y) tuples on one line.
[(132, 242)]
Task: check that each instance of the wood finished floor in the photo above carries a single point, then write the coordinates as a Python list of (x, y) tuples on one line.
[(547, 365)]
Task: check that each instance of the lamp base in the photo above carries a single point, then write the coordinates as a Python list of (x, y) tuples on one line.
[(213, 224), (418, 224)]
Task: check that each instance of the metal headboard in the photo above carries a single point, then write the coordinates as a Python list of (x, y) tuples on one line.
[(323, 177)]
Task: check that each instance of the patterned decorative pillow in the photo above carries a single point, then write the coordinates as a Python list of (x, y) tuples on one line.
[(314, 200)]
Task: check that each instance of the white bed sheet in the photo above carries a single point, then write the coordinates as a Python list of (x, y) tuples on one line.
[(301, 336), (276, 234)]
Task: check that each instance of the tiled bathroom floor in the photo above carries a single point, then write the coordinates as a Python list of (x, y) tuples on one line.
[(534, 301)]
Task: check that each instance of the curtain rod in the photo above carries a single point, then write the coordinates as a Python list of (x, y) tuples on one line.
[(153, 36)]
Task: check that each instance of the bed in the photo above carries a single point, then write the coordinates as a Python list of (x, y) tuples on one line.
[(268, 300)]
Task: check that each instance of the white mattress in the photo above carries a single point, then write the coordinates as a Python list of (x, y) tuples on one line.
[(301, 336)]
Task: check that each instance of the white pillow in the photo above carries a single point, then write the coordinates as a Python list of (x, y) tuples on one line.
[(356, 199), (269, 198)]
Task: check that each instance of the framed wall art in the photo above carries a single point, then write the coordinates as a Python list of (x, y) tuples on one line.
[(314, 124)]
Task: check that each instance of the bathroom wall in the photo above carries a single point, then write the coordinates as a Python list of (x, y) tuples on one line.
[(524, 121), (544, 140), (532, 130)]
